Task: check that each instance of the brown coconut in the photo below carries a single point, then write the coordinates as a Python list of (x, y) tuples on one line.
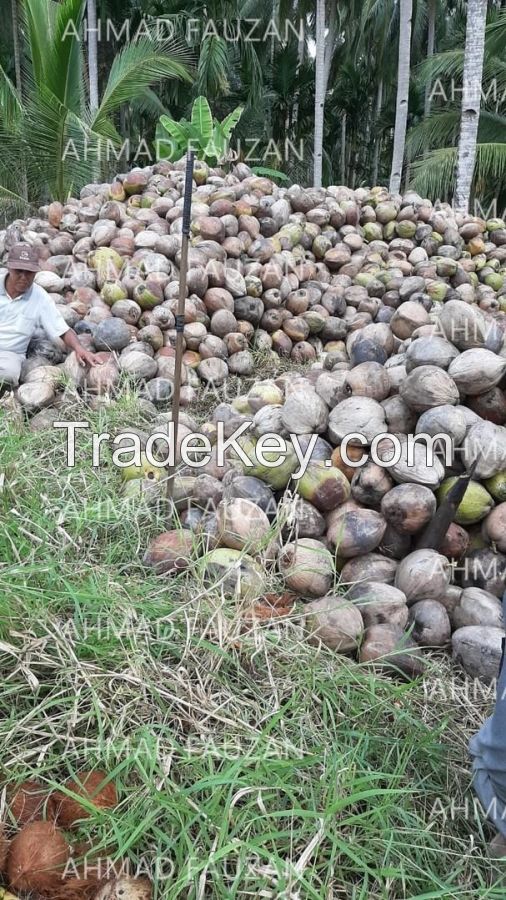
[(94, 788), (37, 858)]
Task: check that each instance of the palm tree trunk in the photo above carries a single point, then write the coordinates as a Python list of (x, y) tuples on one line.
[(91, 15), (377, 140), (431, 30), (319, 100), (473, 71), (401, 111), (300, 59), (15, 45), (343, 149)]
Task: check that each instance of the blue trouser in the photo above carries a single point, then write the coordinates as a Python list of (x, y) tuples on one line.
[(488, 747)]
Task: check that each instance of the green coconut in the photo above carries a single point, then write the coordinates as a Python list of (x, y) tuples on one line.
[(106, 262), (147, 296), (475, 504), (145, 470), (265, 393), (324, 487), (406, 229), (234, 572), (372, 231), (497, 486), (276, 476), (112, 291), (437, 290)]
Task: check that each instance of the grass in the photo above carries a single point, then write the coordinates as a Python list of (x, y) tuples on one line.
[(248, 763)]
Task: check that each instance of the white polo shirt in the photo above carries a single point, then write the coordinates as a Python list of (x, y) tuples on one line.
[(20, 318)]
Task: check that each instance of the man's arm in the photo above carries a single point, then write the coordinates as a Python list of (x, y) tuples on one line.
[(84, 356)]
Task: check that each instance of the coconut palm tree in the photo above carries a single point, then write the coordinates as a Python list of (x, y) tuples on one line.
[(51, 134), (319, 93), (92, 35), (15, 44), (403, 77), (434, 140), (473, 72)]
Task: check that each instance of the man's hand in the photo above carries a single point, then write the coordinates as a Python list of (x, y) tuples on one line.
[(84, 357), (87, 359)]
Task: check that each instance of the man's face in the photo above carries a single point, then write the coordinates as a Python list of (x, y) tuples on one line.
[(20, 280)]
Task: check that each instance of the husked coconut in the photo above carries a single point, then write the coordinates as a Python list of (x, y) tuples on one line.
[(334, 622), (477, 607), (428, 386), (429, 624), (379, 603), (478, 649), (242, 524), (423, 575), (354, 532), (477, 371), (307, 567)]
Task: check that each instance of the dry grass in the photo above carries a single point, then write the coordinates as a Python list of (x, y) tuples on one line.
[(248, 763)]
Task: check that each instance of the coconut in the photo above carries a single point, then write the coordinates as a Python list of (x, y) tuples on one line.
[(387, 647), (94, 788), (370, 567), (242, 524), (497, 486), (408, 507), (475, 504), (234, 572), (360, 415), (169, 552), (379, 603), (430, 351), (334, 622), (370, 484), (485, 445), (307, 567), (428, 386), (477, 607), (354, 532), (125, 888), (413, 463), (248, 488), (326, 488), (478, 650), (35, 396), (494, 527), (429, 624), (304, 412), (29, 801), (37, 858), (446, 420), (477, 371), (423, 575)]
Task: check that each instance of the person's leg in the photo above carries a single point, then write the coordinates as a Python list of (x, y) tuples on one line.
[(10, 368), (488, 749)]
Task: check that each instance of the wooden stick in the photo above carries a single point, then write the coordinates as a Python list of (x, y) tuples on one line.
[(183, 269), (432, 537)]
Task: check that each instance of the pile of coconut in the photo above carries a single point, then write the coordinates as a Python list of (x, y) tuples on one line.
[(397, 309), (342, 540), (276, 270), (40, 856)]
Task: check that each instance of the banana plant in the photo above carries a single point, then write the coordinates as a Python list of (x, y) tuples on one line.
[(209, 137)]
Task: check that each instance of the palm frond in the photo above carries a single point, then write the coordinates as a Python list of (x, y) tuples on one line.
[(10, 104), (213, 67), (136, 67)]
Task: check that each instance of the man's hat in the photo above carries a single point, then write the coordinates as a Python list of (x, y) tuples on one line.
[(23, 256)]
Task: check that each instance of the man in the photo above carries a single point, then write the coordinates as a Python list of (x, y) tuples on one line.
[(488, 749), (24, 307)]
